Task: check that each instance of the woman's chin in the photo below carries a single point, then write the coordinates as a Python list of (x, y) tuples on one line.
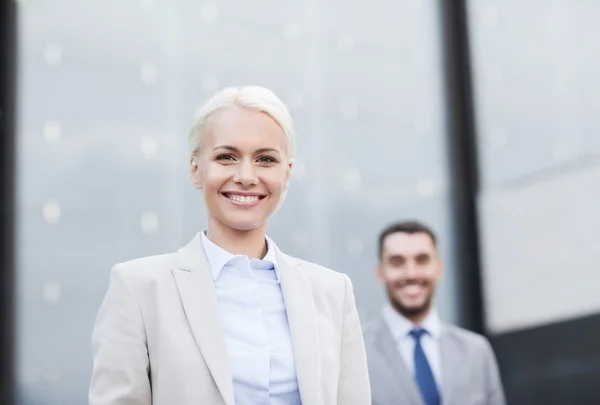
[(246, 224)]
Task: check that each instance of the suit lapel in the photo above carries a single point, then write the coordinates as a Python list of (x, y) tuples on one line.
[(389, 350), (196, 288), (302, 319), (451, 361)]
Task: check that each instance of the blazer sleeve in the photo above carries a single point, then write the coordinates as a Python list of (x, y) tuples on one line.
[(495, 392), (121, 367), (354, 387)]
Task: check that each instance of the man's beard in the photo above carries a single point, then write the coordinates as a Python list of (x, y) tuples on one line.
[(410, 312)]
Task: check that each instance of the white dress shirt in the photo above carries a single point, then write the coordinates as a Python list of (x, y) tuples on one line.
[(430, 341), (256, 327)]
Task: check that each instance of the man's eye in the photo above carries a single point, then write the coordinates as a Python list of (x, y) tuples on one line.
[(423, 259)]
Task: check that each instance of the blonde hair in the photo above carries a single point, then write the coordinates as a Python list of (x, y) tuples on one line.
[(254, 98)]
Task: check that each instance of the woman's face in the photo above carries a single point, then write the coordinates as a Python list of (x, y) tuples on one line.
[(242, 168)]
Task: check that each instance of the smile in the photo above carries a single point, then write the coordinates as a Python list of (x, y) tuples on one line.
[(239, 199), (413, 289)]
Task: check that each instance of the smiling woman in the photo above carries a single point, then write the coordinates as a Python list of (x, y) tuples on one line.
[(229, 318), (242, 162)]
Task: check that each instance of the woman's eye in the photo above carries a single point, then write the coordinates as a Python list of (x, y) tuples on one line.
[(224, 157), (266, 159)]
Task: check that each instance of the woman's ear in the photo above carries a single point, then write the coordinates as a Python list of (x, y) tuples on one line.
[(288, 175), (196, 173)]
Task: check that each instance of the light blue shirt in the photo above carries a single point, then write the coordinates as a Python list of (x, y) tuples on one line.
[(256, 326)]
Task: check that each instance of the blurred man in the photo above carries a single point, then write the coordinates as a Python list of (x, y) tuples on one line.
[(415, 359)]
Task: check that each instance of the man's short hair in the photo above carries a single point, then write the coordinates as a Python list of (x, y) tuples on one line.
[(410, 227)]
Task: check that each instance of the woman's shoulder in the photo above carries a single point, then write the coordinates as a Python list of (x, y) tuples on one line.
[(329, 287), (319, 272), (144, 268)]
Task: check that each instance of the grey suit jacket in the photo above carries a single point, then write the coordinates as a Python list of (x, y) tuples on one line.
[(469, 369), (158, 338)]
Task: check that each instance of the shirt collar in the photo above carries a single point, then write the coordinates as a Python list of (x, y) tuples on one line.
[(218, 257), (401, 327)]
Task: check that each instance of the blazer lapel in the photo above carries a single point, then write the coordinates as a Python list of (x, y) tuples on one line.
[(451, 360), (302, 318), (389, 350), (196, 288)]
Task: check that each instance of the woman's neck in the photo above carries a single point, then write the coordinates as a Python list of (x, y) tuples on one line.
[(250, 243)]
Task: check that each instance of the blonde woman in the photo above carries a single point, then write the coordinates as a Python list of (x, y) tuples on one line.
[(229, 318)]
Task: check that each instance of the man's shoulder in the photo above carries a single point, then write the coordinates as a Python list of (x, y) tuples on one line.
[(374, 330), (373, 327), (465, 338)]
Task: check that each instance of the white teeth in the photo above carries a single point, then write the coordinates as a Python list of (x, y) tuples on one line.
[(413, 289), (243, 198)]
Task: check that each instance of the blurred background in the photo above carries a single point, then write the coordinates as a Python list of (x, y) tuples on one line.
[(479, 118)]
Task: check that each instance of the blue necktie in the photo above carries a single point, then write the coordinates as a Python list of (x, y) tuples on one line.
[(423, 373)]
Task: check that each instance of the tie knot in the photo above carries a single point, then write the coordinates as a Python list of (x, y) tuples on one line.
[(417, 333)]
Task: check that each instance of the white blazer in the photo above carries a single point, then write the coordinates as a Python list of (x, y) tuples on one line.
[(158, 338)]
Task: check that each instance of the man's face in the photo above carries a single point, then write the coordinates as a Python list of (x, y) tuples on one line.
[(410, 268)]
